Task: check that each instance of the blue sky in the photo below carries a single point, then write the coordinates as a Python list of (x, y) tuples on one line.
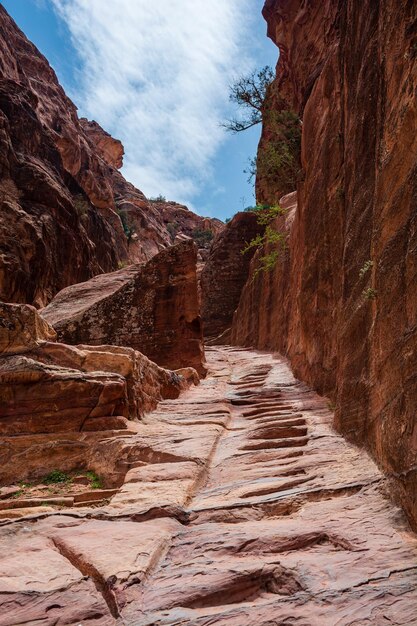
[(156, 76)]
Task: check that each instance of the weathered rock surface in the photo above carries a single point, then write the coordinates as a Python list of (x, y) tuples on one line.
[(238, 505), (66, 214), (52, 394), (152, 308), (342, 306), (226, 271), (263, 314)]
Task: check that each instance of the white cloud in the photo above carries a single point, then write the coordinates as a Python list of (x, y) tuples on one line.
[(156, 74)]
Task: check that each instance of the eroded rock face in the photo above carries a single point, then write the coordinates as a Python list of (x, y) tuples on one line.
[(263, 315), (152, 308), (66, 213), (49, 389), (346, 293), (226, 272)]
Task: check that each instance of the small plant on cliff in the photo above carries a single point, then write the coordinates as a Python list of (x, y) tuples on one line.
[(249, 93), (370, 293), (278, 163), (81, 205), (95, 480), (365, 269), (202, 237), (271, 237), (172, 228), (56, 476), (127, 228), (159, 198)]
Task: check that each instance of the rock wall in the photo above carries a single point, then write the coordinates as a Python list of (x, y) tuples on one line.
[(66, 212), (151, 307), (344, 300), (58, 401), (226, 272)]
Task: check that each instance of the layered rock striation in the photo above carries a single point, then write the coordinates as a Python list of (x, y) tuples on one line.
[(53, 394), (151, 307), (235, 505), (67, 213), (342, 303)]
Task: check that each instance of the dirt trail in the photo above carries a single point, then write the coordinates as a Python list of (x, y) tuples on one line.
[(240, 507)]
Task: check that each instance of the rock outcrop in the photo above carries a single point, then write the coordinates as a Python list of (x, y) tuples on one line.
[(226, 271), (236, 504), (53, 394), (66, 212), (151, 307), (342, 304)]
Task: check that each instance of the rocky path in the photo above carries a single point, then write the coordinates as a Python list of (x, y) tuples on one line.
[(239, 506)]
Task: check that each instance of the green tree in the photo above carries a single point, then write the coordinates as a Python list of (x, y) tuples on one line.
[(249, 93)]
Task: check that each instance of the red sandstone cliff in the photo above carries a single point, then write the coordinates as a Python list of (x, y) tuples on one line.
[(151, 307), (226, 272), (348, 283), (67, 213)]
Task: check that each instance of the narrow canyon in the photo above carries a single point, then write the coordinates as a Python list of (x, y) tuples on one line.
[(212, 423)]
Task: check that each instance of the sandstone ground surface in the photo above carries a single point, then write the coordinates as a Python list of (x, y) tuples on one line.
[(239, 505)]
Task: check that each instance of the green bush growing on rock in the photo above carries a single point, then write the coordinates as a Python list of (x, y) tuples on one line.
[(365, 269), (81, 205), (56, 476), (278, 163), (127, 228), (271, 237), (172, 228), (202, 237)]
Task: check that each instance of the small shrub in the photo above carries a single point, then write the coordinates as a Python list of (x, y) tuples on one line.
[(370, 293), (56, 476), (227, 220), (172, 228), (95, 480), (278, 164), (271, 236), (81, 205), (159, 198), (127, 228), (365, 269), (122, 264), (202, 237)]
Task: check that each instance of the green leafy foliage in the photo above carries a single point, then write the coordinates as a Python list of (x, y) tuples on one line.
[(249, 93), (370, 293), (172, 228), (271, 237), (278, 161), (56, 476), (159, 198), (202, 237), (95, 480), (127, 228), (365, 269)]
